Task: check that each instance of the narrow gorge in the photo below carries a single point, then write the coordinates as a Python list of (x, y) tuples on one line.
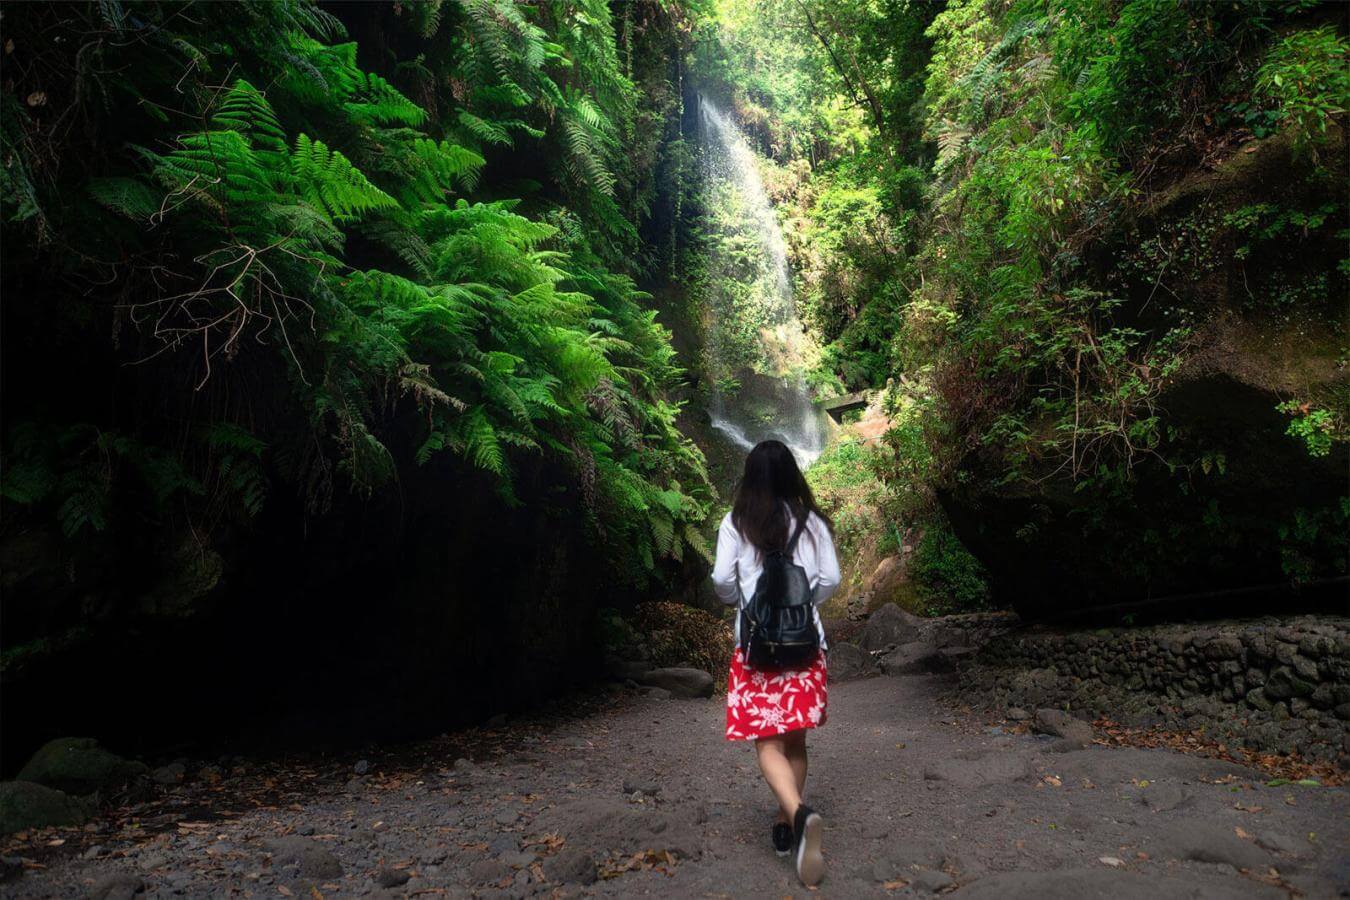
[(375, 377)]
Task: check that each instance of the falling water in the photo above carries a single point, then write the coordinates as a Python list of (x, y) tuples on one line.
[(748, 252)]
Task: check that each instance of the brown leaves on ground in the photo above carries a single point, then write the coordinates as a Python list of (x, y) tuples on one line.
[(659, 860), (1196, 742)]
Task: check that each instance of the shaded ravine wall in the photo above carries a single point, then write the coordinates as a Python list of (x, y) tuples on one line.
[(1272, 685)]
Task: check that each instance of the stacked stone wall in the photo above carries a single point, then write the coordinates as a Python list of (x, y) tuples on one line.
[(1272, 685)]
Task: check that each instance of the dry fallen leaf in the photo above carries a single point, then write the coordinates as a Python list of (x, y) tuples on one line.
[(1242, 833)]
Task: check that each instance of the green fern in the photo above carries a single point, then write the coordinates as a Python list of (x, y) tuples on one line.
[(327, 179), (131, 197)]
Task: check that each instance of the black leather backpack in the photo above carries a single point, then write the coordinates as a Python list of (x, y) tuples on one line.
[(778, 625)]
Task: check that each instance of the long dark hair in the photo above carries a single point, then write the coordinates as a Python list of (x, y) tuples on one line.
[(771, 478)]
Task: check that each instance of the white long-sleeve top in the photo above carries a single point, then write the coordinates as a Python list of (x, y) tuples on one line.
[(738, 565)]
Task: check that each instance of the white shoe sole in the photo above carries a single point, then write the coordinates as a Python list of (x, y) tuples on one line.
[(810, 862)]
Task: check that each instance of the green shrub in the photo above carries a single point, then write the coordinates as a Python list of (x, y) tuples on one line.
[(1306, 77), (949, 578), (679, 635)]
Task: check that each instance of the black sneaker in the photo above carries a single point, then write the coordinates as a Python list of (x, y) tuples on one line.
[(806, 829), (782, 838)]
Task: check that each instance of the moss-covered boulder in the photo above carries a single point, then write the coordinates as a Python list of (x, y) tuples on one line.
[(24, 804), (79, 766)]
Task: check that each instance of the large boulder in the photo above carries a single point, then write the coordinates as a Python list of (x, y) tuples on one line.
[(681, 682), (847, 661), (24, 804), (889, 627), (79, 766), (913, 658)]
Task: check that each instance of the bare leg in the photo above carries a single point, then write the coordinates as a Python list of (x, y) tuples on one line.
[(796, 752), (779, 773)]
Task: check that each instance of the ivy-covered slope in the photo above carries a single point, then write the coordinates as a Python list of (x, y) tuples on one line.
[(317, 316), (1094, 250)]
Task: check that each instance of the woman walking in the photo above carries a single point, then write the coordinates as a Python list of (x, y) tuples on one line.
[(775, 530)]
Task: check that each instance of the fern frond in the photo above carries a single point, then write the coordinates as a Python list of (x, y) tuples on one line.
[(131, 197), (327, 179), (244, 109)]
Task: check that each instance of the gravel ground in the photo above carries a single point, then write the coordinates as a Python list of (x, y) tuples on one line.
[(643, 796)]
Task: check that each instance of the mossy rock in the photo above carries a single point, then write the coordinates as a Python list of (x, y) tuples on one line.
[(79, 766), (24, 804)]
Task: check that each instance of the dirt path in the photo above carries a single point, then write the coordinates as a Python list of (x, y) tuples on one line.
[(917, 799)]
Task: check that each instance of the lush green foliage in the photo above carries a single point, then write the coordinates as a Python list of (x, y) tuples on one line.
[(991, 211), (950, 579), (1306, 79), (283, 253), (267, 206)]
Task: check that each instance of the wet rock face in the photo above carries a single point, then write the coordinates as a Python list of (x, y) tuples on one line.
[(1269, 685)]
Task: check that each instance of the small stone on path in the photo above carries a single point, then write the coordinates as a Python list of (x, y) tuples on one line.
[(1061, 724), (931, 881), (391, 878), (312, 859), (571, 866), (120, 886)]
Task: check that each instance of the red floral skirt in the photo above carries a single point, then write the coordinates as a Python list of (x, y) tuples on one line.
[(763, 704)]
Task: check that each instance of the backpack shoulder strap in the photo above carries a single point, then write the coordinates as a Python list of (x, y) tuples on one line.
[(792, 544)]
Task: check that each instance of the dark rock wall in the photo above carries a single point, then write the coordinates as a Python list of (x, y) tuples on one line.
[(1264, 684), (1223, 505), (384, 619)]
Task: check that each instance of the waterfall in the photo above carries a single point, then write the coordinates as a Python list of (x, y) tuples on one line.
[(757, 350)]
